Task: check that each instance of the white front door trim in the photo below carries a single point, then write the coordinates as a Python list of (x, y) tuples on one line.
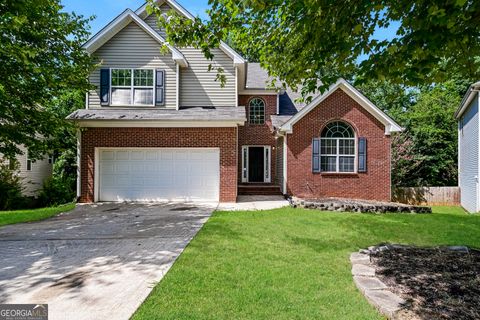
[(267, 163)]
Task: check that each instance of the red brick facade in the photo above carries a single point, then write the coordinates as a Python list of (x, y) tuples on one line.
[(223, 138), (258, 134), (374, 184), (301, 182)]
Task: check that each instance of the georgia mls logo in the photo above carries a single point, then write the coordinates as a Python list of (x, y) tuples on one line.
[(23, 311)]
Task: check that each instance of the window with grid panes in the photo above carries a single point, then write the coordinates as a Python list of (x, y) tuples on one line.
[(337, 148)]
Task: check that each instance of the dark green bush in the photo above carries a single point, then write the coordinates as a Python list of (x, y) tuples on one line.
[(60, 188), (10, 186)]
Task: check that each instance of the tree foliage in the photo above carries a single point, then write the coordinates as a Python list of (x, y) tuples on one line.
[(302, 41), (61, 186), (425, 154), (10, 185), (41, 58), (393, 99)]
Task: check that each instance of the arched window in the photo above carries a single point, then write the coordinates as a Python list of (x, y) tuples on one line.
[(256, 111), (337, 148)]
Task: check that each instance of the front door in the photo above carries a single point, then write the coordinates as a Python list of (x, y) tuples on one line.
[(256, 162)]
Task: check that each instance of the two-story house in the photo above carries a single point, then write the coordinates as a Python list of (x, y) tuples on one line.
[(159, 127)]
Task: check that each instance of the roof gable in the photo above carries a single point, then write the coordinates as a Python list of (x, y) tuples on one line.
[(389, 123), (120, 22), (142, 13)]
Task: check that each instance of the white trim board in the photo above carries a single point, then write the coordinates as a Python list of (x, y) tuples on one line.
[(389, 123), (121, 22), (266, 92), (158, 124)]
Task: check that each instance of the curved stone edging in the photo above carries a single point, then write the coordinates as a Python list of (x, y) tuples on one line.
[(376, 292)]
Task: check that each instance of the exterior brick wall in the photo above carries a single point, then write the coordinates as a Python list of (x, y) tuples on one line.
[(258, 134), (375, 184), (223, 138)]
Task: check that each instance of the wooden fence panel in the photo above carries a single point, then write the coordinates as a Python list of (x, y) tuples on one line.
[(444, 196)]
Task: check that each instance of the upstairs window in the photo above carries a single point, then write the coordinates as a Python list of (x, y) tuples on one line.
[(337, 148), (256, 111), (132, 87)]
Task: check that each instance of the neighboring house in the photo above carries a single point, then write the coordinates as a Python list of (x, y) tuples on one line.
[(33, 172), (468, 149), (159, 127)]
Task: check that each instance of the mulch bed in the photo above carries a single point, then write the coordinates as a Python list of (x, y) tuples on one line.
[(437, 283)]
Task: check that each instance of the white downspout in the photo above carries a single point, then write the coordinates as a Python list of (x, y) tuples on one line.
[(278, 103), (178, 87), (285, 153), (79, 163), (236, 86)]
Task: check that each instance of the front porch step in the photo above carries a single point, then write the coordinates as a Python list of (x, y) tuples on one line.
[(259, 190)]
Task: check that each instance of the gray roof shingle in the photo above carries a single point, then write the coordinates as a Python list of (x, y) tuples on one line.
[(278, 121), (185, 114), (257, 77)]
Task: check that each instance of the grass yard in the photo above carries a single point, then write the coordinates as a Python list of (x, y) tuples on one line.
[(18, 216), (290, 263)]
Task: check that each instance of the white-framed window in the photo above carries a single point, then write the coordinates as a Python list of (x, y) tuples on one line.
[(338, 148), (132, 87), (50, 159), (256, 114)]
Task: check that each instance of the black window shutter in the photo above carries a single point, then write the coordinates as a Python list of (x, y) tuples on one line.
[(160, 88), (362, 154), (316, 155), (105, 87)]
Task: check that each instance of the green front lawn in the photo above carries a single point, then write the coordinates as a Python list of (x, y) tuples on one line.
[(11, 217), (290, 263)]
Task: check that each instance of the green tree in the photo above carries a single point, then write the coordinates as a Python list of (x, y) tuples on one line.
[(41, 58), (302, 41), (426, 153), (393, 99), (61, 186)]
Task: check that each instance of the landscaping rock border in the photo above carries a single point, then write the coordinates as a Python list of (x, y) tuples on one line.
[(376, 292), (360, 206)]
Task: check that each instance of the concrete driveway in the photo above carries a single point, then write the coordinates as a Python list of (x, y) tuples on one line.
[(97, 261)]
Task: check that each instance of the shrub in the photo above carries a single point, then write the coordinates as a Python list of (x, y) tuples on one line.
[(10, 186), (60, 188)]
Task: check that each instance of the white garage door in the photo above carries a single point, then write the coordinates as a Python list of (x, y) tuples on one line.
[(159, 174)]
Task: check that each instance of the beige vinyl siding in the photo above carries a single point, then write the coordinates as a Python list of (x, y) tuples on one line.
[(151, 20), (32, 181), (132, 47), (197, 85)]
